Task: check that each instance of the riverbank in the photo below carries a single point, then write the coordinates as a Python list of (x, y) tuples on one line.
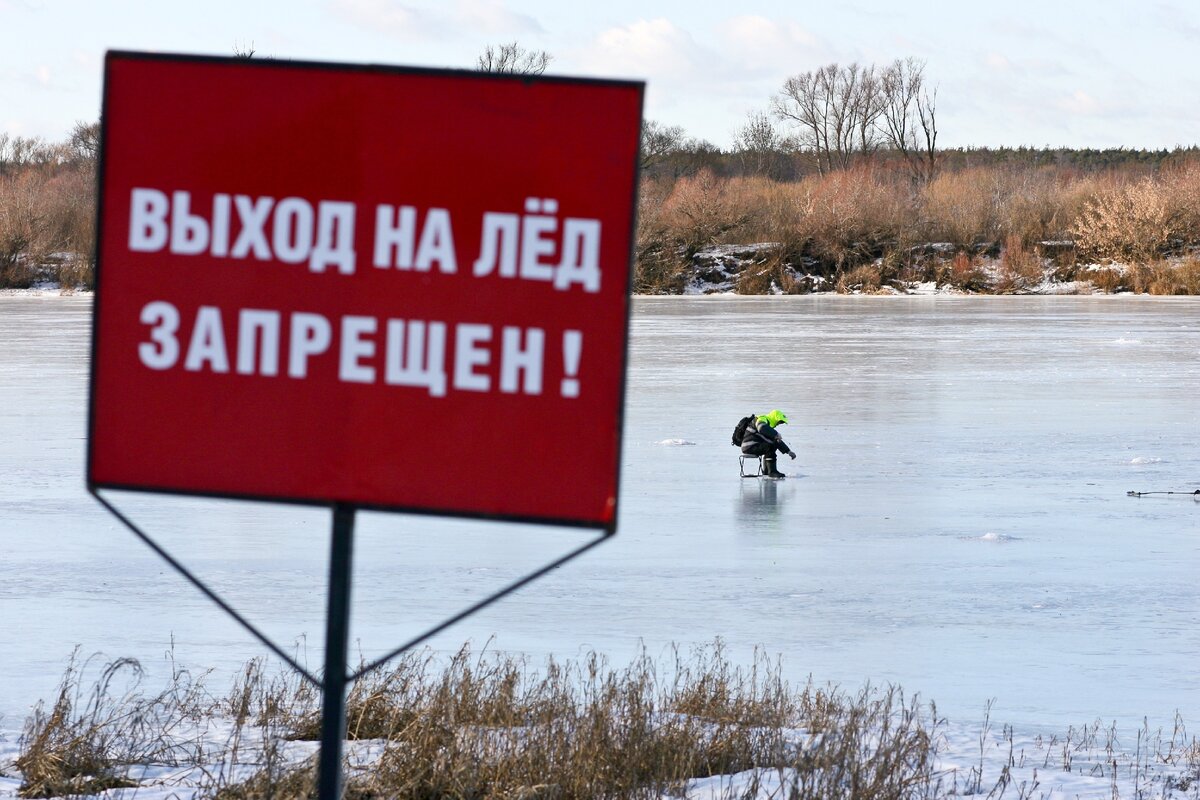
[(764, 268), (760, 269)]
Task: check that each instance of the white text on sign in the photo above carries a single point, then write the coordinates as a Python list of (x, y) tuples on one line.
[(414, 352), (535, 245)]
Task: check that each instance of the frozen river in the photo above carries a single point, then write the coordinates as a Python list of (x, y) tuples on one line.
[(957, 522)]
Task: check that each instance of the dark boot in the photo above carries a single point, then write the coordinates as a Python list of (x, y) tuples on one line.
[(769, 469)]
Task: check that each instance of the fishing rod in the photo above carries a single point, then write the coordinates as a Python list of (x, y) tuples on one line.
[(1131, 493)]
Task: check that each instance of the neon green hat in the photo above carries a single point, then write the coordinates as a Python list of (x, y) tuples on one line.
[(774, 418)]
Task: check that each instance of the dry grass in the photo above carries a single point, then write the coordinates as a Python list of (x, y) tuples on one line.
[(486, 724), (83, 743)]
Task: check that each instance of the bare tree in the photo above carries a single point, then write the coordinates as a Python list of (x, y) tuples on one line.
[(513, 58), (910, 117), (17, 152), (759, 144), (660, 142), (835, 110), (84, 143)]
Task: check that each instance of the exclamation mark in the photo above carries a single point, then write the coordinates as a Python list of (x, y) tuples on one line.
[(572, 350)]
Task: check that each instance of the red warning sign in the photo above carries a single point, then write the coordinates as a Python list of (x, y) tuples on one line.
[(403, 289)]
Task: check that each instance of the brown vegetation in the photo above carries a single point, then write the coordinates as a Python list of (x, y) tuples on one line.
[(1001, 229), (47, 210), (85, 741), (1002, 221), (486, 724)]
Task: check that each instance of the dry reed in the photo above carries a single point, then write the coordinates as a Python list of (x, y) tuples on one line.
[(483, 724)]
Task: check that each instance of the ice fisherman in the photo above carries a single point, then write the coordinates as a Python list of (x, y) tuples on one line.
[(764, 440)]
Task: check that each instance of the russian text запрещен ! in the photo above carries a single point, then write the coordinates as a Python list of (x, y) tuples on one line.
[(414, 352), (533, 246)]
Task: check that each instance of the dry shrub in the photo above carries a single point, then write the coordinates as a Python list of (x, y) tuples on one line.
[(702, 209), (1030, 205), (963, 272), (1181, 190), (1166, 278), (69, 229), (1020, 269), (961, 207), (658, 263), (46, 221), (20, 212), (1127, 221), (771, 277), (652, 194), (774, 212), (1108, 279), (755, 279), (981, 206), (1072, 199), (866, 279), (851, 216)]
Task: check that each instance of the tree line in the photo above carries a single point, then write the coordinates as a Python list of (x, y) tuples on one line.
[(839, 119)]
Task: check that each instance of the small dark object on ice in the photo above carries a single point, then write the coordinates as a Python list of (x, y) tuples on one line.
[(1131, 493)]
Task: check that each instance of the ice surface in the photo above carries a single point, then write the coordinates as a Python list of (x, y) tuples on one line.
[(925, 425)]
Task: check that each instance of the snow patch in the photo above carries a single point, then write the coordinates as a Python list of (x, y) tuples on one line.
[(991, 536), (923, 287), (676, 443), (45, 289), (1141, 461)]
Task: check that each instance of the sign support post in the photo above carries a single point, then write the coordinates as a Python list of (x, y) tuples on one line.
[(337, 630)]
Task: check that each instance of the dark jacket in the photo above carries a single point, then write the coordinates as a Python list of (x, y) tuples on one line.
[(763, 441)]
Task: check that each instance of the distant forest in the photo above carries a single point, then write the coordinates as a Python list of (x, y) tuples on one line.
[(690, 156)]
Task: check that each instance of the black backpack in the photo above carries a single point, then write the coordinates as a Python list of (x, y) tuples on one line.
[(744, 424)]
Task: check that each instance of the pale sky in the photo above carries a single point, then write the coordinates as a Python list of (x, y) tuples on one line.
[(1075, 74)]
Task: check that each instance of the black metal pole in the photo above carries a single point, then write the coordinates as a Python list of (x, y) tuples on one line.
[(337, 625)]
